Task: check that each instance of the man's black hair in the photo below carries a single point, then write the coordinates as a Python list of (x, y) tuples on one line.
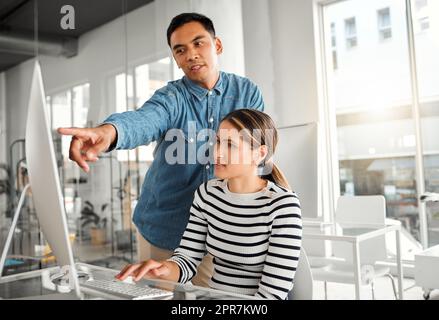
[(184, 18)]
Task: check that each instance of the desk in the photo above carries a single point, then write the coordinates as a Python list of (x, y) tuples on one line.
[(31, 285), (426, 270), (356, 233)]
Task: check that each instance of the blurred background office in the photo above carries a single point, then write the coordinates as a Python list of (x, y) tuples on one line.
[(365, 71)]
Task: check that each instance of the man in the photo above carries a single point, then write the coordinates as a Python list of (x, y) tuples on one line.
[(202, 97)]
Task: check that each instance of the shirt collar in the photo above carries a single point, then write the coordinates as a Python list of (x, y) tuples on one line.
[(201, 92)]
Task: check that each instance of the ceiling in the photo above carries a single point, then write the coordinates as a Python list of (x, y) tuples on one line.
[(17, 16)]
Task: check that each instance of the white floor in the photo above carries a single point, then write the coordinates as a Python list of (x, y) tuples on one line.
[(383, 291)]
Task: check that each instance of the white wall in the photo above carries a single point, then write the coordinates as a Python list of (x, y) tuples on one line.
[(280, 56), (294, 60), (258, 50), (227, 19)]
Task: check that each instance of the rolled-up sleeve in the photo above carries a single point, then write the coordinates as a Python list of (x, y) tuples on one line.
[(148, 123)]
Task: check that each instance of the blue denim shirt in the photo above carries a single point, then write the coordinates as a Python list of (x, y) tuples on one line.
[(162, 212)]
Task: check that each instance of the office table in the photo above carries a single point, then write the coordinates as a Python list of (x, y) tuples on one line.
[(354, 234), (36, 285), (426, 270)]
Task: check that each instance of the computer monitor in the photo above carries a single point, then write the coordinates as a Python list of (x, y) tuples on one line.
[(44, 179), (297, 157), (48, 201)]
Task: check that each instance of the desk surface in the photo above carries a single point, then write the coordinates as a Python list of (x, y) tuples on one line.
[(348, 232), (32, 285), (430, 252)]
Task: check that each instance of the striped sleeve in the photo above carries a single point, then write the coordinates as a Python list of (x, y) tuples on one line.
[(283, 250), (192, 247)]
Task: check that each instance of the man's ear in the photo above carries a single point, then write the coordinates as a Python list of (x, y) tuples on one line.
[(218, 46)]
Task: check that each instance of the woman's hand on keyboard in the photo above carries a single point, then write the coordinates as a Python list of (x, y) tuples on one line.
[(167, 270)]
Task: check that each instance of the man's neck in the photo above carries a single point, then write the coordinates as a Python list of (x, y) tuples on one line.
[(210, 83)]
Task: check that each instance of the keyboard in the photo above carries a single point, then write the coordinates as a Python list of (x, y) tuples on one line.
[(126, 290)]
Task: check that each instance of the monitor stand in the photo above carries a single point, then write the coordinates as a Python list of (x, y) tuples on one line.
[(12, 229), (62, 281)]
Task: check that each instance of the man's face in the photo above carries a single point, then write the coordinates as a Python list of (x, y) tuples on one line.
[(196, 53)]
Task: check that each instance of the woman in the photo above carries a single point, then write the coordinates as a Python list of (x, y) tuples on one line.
[(247, 218)]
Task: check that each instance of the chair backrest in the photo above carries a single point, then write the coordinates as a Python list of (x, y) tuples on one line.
[(362, 210), (303, 282)]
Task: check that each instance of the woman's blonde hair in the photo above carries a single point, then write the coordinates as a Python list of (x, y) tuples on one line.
[(261, 129)]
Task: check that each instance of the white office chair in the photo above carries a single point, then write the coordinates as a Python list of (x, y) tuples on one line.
[(357, 210), (303, 280)]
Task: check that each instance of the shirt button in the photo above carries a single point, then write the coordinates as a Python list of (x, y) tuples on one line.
[(211, 143), (210, 93), (207, 167), (191, 140), (211, 119)]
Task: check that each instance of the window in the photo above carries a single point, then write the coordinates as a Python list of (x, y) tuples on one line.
[(422, 16), (80, 104), (69, 108), (333, 36), (370, 98), (384, 24), (350, 33), (334, 46), (420, 4), (143, 81), (66, 109), (129, 91), (122, 94), (150, 77), (424, 23)]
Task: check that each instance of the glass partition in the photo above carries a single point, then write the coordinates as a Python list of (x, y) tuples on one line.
[(115, 66)]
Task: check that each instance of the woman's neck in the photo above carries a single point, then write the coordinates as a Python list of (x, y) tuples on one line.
[(246, 184)]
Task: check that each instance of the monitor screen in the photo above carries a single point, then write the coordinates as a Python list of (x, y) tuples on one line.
[(297, 157)]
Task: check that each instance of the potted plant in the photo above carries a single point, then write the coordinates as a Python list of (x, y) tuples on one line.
[(98, 224)]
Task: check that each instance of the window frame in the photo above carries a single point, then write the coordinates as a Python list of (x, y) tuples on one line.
[(349, 38), (382, 29), (329, 116)]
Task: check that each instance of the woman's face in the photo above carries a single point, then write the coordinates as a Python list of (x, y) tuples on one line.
[(234, 156)]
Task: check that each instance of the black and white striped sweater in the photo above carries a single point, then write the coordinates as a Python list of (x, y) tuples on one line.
[(254, 238)]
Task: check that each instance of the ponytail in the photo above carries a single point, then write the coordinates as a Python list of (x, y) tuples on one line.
[(276, 175)]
